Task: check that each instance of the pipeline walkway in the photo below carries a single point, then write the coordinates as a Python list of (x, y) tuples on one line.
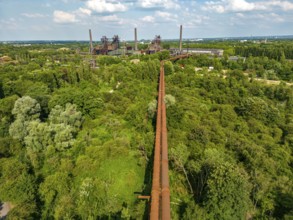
[(160, 194)]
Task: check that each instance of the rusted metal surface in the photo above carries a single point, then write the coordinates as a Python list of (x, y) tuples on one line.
[(179, 57), (155, 194), (165, 191), (155, 45), (160, 196), (144, 197)]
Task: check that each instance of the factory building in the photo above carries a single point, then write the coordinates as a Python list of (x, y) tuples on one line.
[(215, 52)]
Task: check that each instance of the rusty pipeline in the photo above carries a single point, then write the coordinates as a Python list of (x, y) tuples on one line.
[(165, 191), (160, 195), (156, 189)]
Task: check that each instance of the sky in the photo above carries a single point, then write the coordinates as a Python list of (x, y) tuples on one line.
[(71, 19)]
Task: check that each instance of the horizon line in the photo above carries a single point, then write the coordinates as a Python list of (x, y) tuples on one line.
[(167, 39)]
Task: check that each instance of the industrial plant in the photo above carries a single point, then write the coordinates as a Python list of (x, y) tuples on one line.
[(114, 47)]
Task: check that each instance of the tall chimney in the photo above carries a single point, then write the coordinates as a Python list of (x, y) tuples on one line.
[(180, 43), (91, 41), (135, 39)]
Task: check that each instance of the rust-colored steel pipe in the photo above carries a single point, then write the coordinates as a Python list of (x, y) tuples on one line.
[(155, 194), (165, 191), (160, 195)]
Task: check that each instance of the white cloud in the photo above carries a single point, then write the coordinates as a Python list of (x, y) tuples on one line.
[(284, 5), (40, 28), (229, 5), (276, 17), (270, 18), (166, 16), (33, 15), (195, 21), (168, 4), (113, 19), (148, 18), (163, 14), (64, 17), (240, 5), (9, 24), (110, 18), (263, 18), (240, 15), (245, 6), (214, 7), (83, 11), (102, 6)]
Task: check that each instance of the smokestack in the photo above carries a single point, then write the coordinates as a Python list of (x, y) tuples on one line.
[(91, 41), (180, 43), (135, 39)]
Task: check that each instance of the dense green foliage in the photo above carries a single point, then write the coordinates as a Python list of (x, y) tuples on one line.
[(272, 51), (77, 143), (238, 138), (79, 139)]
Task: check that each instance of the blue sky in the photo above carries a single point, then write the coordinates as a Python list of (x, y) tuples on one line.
[(71, 19)]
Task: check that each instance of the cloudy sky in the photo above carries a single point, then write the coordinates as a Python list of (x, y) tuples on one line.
[(71, 19)]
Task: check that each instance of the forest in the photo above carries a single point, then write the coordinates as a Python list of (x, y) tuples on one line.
[(77, 142)]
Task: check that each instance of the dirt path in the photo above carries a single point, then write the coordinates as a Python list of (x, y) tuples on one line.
[(270, 82)]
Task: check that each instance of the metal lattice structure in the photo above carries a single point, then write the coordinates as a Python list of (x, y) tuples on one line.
[(115, 42), (104, 45), (155, 45)]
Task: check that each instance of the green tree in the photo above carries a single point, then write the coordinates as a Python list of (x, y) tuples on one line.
[(6, 117), (52, 189), (227, 193), (179, 156), (152, 108), (68, 116), (168, 68), (89, 200), (39, 136), (169, 100), (63, 136), (25, 110), (27, 107), (258, 108), (18, 186)]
